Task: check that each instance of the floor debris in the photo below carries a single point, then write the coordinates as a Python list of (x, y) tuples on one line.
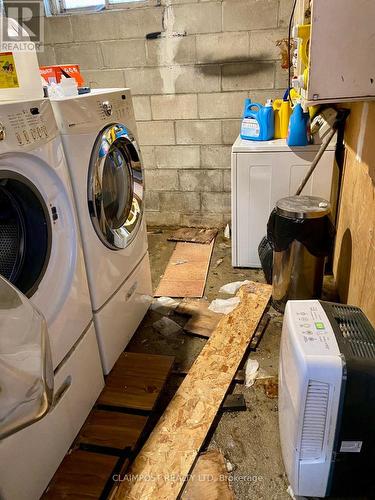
[(202, 321), (217, 263), (194, 235), (224, 306), (231, 288), (234, 402), (251, 371), (164, 305), (166, 326)]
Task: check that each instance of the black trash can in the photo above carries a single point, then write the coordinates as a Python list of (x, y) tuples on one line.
[(301, 235)]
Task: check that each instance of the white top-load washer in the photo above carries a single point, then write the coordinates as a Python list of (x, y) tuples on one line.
[(100, 140), (41, 254)]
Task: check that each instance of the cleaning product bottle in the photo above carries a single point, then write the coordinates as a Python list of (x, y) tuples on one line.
[(299, 127), (257, 121), (282, 112)]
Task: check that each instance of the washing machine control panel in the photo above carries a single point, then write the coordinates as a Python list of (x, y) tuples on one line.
[(24, 125)]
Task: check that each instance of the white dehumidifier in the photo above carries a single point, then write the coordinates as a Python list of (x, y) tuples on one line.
[(327, 399)]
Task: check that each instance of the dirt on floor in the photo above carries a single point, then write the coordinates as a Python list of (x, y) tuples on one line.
[(248, 439)]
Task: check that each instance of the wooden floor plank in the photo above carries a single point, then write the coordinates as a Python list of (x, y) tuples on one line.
[(193, 235), (111, 429), (171, 450), (136, 380), (186, 272), (81, 475), (202, 321)]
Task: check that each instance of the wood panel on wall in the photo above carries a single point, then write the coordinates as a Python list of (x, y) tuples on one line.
[(354, 260)]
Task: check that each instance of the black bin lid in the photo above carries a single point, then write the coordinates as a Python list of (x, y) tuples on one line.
[(303, 207)]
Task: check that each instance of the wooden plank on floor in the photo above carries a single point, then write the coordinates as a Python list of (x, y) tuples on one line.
[(186, 272), (136, 381), (111, 429), (171, 450), (81, 475), (193, 235), (202, 321), (209, 479)]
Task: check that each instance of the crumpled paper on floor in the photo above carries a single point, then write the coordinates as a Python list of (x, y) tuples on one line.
[(231, 288), (251, 372), (224, 306), (164, 305), (166, 326)]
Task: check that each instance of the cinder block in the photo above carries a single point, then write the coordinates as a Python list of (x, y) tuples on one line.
[(148, 157), (47, 57), (285, 9), (245, 76), (155, 133), (201, 180), (104, 78), (179, 202), (162, 180), (202, 220), (231, 130), (87, 55), (95, 26), (198, 132), (171, 50), (223, 105), (262, 95), (166, 218), (227, 180), (172, 2), (58, 29), (152, 201), (201, 18), (249, 14), (222, 47), (136, 23), (142, 108), (174, 107), (263, 44), (124, 53), (174, 79), (216, 203), (177, 156), (215, 156), (281, 77)]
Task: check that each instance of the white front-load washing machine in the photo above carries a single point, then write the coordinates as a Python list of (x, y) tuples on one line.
[(41, 254), (100, 140)]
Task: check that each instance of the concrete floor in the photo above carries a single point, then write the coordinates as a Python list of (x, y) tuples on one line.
[(248, 439)]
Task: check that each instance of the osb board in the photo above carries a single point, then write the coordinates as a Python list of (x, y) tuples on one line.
[(202, 321), (81, 475), (136, 380), (354, 260), (186, 272), (111, 429), (193, 235), (170, 451), (208, 479)]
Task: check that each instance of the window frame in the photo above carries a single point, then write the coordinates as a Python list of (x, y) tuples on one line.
[(57, 7)]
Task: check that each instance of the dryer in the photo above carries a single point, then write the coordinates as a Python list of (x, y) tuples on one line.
[(41, 254), (100, 140)]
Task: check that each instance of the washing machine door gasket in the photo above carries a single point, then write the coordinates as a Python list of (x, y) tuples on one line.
[(116, 187)]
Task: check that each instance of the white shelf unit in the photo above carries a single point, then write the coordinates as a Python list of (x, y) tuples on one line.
[(262, 173)]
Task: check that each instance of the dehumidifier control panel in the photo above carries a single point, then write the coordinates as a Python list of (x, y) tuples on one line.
[(311, 327)]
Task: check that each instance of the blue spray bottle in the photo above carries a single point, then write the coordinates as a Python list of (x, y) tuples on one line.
[(257, 121)]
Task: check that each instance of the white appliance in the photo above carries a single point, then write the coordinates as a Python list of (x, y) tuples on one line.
[(263, 172), (100, 140), (326, 399), (41, 254)]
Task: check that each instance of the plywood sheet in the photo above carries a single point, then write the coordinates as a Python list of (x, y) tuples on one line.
[(202, 321), (111, 429), (164, 462), (193, 235), (136, 380), (209, 479), (186, 272), (81, 475)]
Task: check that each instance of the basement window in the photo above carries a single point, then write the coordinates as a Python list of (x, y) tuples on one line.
[(56, 7)]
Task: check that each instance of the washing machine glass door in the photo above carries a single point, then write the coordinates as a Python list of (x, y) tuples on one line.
[(25, 232), (115, 187)]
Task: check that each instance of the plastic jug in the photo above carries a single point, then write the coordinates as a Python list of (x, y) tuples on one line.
[(299, 127), (257, 121), (19, 70), (282, 112)]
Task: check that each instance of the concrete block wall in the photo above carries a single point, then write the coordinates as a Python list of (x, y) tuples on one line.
[(188, 91)]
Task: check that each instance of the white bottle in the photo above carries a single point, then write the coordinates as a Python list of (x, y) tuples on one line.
[(19, 70)]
